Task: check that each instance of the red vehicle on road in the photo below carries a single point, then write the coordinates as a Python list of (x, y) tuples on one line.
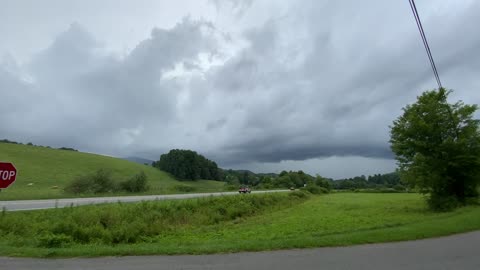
[(244, 190)]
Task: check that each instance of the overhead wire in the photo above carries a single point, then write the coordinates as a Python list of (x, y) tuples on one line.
[(432, 62), (425, 42)]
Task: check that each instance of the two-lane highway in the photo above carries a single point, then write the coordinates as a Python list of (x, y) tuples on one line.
[(53, 203)]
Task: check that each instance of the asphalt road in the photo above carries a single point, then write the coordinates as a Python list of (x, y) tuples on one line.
[(45, 204), (453, 252)]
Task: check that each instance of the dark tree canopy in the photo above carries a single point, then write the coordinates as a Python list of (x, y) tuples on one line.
[(188, 165), (294, 179), (376, 181), (437, 146)]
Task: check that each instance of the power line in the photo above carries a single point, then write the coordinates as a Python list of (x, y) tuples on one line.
[(425, 42), (432, 63)]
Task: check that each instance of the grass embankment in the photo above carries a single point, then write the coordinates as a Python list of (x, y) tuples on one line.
[(229, 224), (43, 173), (114, 224)]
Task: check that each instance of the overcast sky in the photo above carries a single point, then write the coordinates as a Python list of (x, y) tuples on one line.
[(261, 85)]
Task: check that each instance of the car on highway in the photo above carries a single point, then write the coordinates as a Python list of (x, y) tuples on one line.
[(244, 190)]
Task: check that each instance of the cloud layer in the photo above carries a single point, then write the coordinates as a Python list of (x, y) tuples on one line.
[(324, 79)]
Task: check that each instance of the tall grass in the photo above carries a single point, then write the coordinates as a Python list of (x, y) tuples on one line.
[(130, 223)]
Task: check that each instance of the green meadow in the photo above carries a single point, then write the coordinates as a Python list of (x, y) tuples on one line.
[(228, 224)]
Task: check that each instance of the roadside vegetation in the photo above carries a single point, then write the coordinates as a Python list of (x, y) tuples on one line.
[(114, 224), (228, 224), (102, 182)]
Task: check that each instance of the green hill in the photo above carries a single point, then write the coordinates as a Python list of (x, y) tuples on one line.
[(44, 172)]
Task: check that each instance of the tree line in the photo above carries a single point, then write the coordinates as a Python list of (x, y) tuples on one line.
[(189, 165), (376, 181), (31, 144)]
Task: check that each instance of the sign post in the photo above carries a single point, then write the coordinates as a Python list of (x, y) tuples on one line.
[(8, 174)]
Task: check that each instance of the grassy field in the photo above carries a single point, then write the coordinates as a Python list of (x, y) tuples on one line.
[(212, 225), (44, 172)]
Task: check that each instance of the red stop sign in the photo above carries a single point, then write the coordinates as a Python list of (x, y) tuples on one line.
[(8, 174)]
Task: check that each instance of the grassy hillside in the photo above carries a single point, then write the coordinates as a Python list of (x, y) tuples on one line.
[(44, 172)]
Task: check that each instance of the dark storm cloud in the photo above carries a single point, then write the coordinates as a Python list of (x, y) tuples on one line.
[(335, 89), (324, 79), (277, 149), (90, 100)]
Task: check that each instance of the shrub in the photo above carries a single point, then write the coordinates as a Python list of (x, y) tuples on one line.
[(442, 203), (80, 184), (53, 240), (298, 194), (138, 183), (99, 182), (315, 189), (324, 190), (102, 182)]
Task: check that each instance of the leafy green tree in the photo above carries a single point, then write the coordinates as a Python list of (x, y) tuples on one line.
[(437, 146), (389, 180), (188, 165), (323, 182), (293, 179)]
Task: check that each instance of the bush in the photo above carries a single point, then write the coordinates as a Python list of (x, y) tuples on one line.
[(53, 240), (324, 190), (80, 184), (442, 203), (99, 182), (315, 189), (297, 194), (102, 182), (138, 183)]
